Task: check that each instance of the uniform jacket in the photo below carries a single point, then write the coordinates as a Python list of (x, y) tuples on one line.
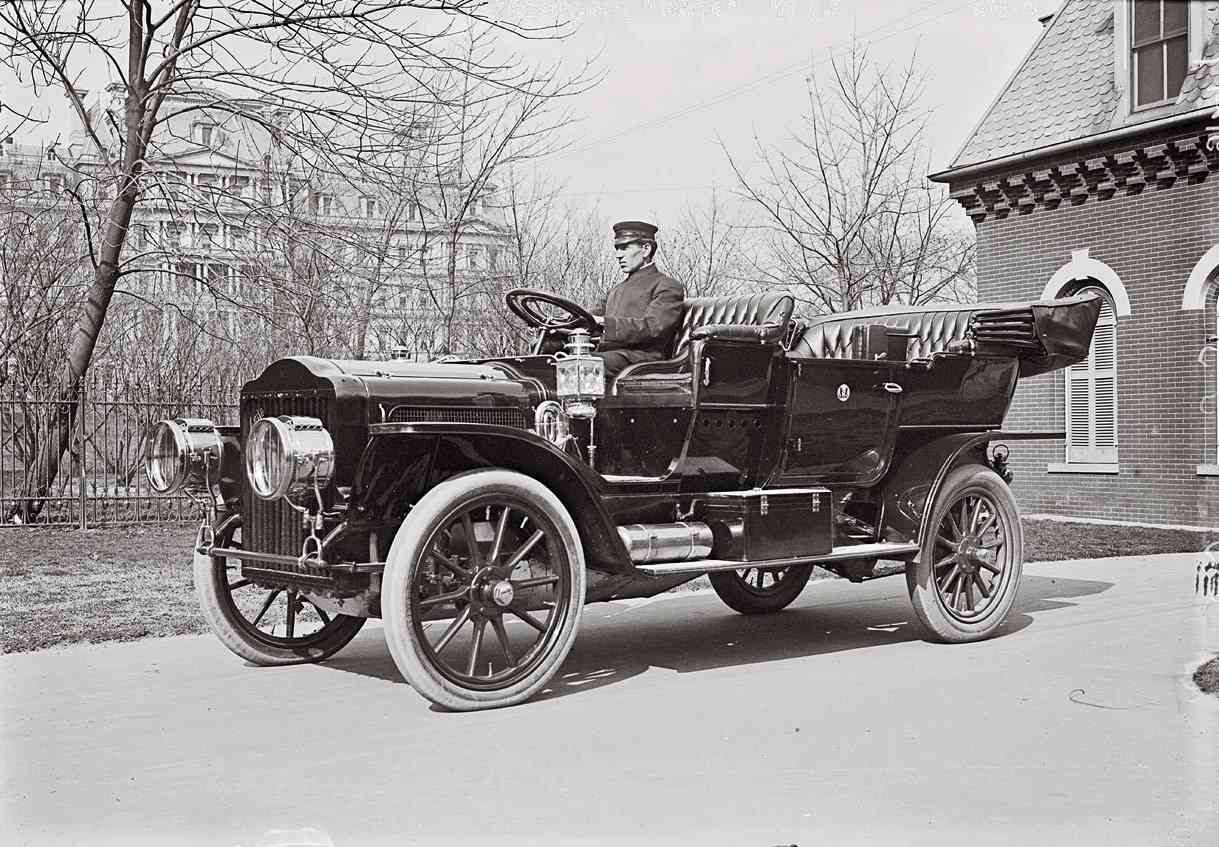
[(642, 314)]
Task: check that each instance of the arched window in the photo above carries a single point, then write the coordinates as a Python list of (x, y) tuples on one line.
[(1208, 361), (1091, 401), (1202, 293)]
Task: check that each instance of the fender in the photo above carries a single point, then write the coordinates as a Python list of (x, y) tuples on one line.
[(907, 492), (402, 461)]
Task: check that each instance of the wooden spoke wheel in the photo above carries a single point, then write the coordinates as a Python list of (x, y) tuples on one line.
[(267, 625), (483, 590), (757, 591), (968, 571)]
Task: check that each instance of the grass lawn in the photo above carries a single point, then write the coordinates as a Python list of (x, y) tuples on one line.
[(121, 583)]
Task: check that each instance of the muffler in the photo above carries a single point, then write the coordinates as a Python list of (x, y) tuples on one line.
[(666, 542)]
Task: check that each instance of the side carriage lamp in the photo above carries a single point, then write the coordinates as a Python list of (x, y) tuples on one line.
[(580, 382)]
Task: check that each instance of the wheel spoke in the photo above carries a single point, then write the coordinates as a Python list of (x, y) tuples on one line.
[(977, 513), (535, 582), (291, 624), (982, 586), (946, 561), (953, 527), (996, 571), (429, 602), (458, 623), (267, 604), (521, 553), (945, 542), (498, 543), (528, 618), (321, 613), (467, 526), (480, 626), (990, 521), (995, 543), (956, 592), (501, 632), (448, 563), (951, 578), (969, 595)]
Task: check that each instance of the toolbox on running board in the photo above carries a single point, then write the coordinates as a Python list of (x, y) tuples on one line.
[(776, 523)]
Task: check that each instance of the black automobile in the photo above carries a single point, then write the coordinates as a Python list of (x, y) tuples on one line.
[(476, 506)]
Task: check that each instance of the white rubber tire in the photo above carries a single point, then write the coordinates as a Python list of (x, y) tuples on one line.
[(942, 622), (433, 509), (221, 614)]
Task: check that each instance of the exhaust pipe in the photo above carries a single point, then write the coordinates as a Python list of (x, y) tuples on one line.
[(666, 542)]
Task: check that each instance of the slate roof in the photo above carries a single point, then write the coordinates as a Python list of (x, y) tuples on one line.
[(1065, 89), (1201, 86)]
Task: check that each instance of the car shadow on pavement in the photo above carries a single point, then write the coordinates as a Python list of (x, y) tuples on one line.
[(695, 632)]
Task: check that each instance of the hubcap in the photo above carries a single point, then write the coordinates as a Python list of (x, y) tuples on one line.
[(502, 593)]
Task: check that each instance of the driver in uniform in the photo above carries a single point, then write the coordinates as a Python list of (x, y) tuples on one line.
[(640, 315)]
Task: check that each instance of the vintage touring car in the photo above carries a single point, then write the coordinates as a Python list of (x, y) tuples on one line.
[(476, 506)]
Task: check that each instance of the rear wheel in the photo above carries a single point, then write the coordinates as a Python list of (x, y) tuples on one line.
[(759, 591), (267, 625), (968, 570), (483, 589)]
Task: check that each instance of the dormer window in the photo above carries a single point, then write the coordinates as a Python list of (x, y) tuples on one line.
[(205, 134), (1159, 45)]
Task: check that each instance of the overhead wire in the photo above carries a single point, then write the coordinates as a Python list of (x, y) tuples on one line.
[(770, 76)]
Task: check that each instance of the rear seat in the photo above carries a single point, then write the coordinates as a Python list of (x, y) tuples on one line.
[(829, 336)]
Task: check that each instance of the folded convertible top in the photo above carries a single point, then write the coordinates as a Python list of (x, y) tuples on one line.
[(1045, 335)]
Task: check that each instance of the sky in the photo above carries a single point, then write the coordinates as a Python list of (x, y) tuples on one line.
[(685, 80), (688, 79)]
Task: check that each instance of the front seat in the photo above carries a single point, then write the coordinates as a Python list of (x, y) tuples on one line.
[(763, 318)]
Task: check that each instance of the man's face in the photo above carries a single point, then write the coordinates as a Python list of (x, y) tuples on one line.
[(631, 257)]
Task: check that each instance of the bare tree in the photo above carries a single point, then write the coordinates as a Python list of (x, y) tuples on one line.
[(332, 82), (40, 264), (478, 135), (709, 254), (847, 212)]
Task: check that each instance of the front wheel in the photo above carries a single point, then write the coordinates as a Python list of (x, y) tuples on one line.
[(483, 589), (759, 591), (266, 625), (968, 570)]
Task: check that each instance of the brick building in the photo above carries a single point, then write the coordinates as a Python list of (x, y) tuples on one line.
[(1096, 168)]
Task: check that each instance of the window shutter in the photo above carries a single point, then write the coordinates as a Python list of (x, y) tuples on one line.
[(1092, 395)]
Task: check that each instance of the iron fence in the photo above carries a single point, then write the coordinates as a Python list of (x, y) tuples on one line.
[(101, 477)]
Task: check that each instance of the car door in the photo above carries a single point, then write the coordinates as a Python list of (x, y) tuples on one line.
[(842, 420)]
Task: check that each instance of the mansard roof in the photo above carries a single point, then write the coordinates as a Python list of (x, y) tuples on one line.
[(1065, 90)]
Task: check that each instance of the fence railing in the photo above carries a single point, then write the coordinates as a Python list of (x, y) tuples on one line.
[(101, 477)]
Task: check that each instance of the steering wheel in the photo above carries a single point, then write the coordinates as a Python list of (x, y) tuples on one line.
[(547, 311)]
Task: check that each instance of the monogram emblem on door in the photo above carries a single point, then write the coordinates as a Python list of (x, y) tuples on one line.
[(844, 392)]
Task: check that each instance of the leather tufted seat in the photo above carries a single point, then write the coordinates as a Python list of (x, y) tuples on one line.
[(829, 336), (771, 310), (740, 310)]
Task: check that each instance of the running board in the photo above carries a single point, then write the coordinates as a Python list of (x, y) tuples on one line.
[(883, 550)]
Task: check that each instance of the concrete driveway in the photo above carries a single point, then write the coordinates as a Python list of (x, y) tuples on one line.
[(674, 721)]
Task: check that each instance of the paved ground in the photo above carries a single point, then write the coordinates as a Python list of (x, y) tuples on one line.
[(674, 721)]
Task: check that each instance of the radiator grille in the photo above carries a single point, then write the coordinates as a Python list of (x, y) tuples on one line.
[(500, 415), (274, 526)]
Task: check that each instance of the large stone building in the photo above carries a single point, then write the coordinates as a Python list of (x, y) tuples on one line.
[(234, 231), (1095, 169)]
